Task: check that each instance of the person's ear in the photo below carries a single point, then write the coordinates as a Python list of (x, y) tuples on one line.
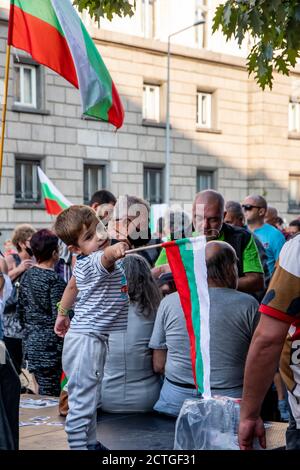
[(74, 249)]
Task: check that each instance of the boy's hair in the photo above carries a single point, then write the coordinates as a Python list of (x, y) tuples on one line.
[(43, 243), (70, 222), (21, 234)]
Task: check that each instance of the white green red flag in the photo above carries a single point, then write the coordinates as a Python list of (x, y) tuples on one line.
[(55, 201), (186, 258), (54, 35)]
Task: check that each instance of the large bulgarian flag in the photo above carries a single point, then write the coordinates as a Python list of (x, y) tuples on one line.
[(54, 35), (55, 201), (186, 258)]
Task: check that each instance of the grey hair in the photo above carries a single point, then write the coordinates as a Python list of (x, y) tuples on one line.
[(221, 262), (210, 195), (125, 202), (142, 288), (234, 208)]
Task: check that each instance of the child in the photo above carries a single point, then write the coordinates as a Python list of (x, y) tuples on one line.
[(102, 308)]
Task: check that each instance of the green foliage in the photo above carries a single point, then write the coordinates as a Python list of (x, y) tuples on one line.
[(275, 27), (106, 8)]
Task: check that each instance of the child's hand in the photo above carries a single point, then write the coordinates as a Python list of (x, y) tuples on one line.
[(62, 325), (119, 250)]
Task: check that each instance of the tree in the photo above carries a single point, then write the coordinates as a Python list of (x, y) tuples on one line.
[(275, 27), (98, 8)]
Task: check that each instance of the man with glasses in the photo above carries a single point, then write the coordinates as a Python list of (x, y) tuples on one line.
[(208, 219), (255, 209)]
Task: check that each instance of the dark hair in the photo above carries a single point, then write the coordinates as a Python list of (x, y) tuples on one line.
[(222, 265), (142, 288), (295, 223), (43, 243), (234, 208), (70, 222), (103, 197)]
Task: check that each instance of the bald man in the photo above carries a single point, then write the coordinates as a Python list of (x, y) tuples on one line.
[(233, 318), (255, 209), (208, 219)]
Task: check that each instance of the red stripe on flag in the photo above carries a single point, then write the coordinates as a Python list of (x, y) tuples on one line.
[(116, 112), (182, 285), (43, 42), (52, 207)]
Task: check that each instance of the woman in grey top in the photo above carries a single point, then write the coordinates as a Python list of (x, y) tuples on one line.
[(130, 384)]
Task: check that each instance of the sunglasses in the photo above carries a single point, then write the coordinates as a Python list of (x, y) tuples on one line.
[(249, 207)]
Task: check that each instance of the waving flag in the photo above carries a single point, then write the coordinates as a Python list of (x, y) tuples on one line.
[(55, 201), (186, 258), (54, 35)]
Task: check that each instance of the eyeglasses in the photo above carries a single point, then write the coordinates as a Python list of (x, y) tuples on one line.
[(249, 207)]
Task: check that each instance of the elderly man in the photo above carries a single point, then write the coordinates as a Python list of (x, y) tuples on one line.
[(233, 315), (255, 208), (208, 218), (281, 315)]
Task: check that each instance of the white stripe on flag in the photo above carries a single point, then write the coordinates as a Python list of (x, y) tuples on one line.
[(200, 270)]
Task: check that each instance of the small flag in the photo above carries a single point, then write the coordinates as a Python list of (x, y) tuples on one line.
[(187, 262), (54, 35), (55, 201)]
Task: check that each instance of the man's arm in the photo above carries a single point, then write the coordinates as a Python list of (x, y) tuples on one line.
[(251, 282), (262, 362), (159, 360)]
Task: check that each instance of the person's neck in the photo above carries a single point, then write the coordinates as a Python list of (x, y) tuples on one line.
[(49, 264), (254, 225)]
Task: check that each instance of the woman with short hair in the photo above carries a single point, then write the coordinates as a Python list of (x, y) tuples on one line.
[(40, 290)]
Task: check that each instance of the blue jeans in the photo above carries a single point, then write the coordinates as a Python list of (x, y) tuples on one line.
[(292, 435), (172, 397)]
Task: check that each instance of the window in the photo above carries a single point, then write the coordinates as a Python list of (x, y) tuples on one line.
[(153, 185), (204, 102), (200, 14), (294, 117), (294, 192), (25, 85), (205, 180), (149, 18), (27, 187), (151, 102), (94, 180)]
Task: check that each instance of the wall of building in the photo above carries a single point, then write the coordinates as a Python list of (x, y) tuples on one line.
[(248, 145)]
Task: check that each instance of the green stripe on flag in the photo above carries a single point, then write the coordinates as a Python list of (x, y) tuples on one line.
[(41, 9), (187, 256), (100, 109), (49, 195)]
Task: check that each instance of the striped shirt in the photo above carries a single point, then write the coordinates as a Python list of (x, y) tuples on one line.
[(102, 306)]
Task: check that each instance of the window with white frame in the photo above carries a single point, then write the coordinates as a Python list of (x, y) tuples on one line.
[(25, 85), (148, 18), (294, 192), (94, 180), (294, 116), (153, 185), (27, 187), (151, 105), (205, 180), (204, 109)]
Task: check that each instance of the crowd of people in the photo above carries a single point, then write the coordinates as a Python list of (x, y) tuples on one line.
[(73, 299)]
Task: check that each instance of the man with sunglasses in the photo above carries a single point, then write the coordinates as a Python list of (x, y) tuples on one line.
[(255, 209)]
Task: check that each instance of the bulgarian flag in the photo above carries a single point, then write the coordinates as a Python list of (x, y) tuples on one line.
[(55, 201), (54, 35), (186, 258)]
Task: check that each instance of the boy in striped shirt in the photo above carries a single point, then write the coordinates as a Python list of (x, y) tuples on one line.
[(102, 308)]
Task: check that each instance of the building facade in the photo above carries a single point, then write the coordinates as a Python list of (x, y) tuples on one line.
[(225, 132)]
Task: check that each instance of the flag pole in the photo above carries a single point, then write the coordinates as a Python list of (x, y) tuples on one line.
[(141, 248), (4, 108)]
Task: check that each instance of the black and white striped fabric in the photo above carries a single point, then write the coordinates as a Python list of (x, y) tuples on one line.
[(103, 299)]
